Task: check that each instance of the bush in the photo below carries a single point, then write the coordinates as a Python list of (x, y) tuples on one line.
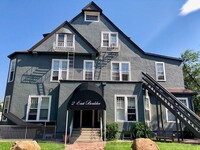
[(111, 130), (141, 130)]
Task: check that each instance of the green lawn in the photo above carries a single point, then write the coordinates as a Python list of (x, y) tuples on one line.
[(43, 145), (161, 145)]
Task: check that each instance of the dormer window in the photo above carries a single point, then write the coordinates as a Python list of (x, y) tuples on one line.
[(65, 40), (91, 16), (109, 39)]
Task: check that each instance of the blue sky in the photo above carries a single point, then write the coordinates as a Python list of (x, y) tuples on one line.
[(166, 27)]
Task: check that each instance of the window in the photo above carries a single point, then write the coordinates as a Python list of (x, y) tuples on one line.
[(160, 71), (88, 72), (147, 106), (109, 39), (170, 117), (38, 108), (65, 40), (92, 16), (60, 69), (120, 71), (6, 107), (12, 70), (125, 108)]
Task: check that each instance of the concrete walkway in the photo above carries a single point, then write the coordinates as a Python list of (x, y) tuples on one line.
[(86, 146)]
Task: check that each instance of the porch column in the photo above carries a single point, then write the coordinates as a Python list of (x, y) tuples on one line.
[(104, 125), (65, 137)]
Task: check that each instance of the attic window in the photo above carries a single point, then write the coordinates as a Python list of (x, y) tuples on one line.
[(92, 16)]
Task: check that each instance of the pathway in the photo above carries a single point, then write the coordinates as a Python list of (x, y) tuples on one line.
[(86, 146)]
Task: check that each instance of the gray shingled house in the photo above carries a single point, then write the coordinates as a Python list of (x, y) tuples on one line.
[(87, 72)]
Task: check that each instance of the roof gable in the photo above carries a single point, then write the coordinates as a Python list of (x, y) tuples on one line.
[(61, 29), (92, 7)]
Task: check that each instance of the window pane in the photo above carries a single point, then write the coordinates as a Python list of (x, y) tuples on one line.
[(34, 102), (91, 17), (131, 102), (88, 75), (160, 71), (105, 39), (61, 40), (32, 114), (171, 117), (70, 40), (64, 65), (120, 102), (56, 65), (147, 115), (120, 114), (131, 117), (43, 114), (113, 41), (55, 76), (88, 65), (45, 103), (63, 75)]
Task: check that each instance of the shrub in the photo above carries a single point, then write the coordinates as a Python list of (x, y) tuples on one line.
[(141, 130), (111, 130)]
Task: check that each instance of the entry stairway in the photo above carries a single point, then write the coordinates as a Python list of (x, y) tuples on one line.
[(85, 135), (185, 115)]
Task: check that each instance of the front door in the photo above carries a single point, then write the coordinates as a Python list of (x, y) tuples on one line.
[(87, 118)]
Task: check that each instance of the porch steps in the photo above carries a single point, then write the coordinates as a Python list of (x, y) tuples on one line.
[(85, 135)]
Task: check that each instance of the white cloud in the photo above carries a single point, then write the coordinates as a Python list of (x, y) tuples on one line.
[(190, 6)]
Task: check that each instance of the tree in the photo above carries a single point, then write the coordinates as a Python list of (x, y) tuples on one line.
[(191, 74)]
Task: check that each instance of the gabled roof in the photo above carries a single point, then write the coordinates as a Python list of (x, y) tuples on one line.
[(54, 31), (92, 7)]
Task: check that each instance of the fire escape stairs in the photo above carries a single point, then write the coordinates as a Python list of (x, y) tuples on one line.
[(185, 115)]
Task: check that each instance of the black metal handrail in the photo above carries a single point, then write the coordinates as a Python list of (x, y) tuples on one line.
[(188, 114)]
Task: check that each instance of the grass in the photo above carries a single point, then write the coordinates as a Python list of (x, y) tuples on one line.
[(161, 145), (43, 145)]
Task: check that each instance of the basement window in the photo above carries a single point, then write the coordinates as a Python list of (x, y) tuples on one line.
[(91, 16)]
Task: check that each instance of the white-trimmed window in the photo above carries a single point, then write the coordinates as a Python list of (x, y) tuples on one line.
[(6, 107), (59, 69), (160, 71), (91, 16), (170, 117), (65, 40), (12, 70), (120, 71), (38, 108), (147, 106), (109, 39), (126, 108), (88, 72)]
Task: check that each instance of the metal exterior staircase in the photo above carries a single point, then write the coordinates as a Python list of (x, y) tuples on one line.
[(85, 135), (185, 115)]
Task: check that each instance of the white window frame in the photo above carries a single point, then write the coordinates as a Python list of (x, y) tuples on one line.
[(65, 40), (38, 108), (120, 70), (147, 98), (6, 109), (126, 107), (84, 68), (157, 74), (109, 36), (59, 70), (12, 69), (167, 111), (91, 14)]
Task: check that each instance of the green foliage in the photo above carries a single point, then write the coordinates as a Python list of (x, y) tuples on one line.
[(191, 73), (1, 108), (141, 130), (161, 145), (111, 130)]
